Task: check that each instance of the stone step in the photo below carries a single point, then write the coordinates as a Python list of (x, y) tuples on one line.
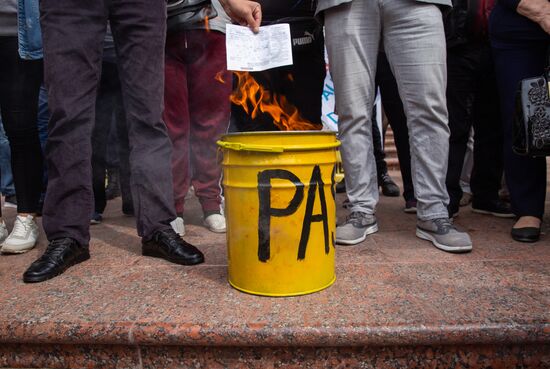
[(398, 302)]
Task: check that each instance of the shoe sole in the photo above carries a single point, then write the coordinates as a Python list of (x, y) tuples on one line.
[(370, 230), (410, 210), (158, 255), (214, 229), (81, 259), (5, 249), (526, 240), (498, 215), (95, 222), (454, 249)]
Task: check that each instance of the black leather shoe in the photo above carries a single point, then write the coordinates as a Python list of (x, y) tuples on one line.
[(60, 255), (526, 234), (389, 188), (168, 245)]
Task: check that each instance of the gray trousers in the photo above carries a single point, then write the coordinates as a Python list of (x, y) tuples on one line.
[(413, 37), (73, 34)]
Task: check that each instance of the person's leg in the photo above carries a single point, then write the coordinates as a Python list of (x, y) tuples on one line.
[(487, 171), (415, 45), (72, 34), (352, 33), (388, 186), (176, 109), (352, 46), (393, 108), (139, 31), (71, 80), (19, 116), (209, 111), (462, 74), (525, 176), (103, 122)]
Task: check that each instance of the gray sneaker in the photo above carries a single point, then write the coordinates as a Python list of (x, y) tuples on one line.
[(356, 228), (444, 235)]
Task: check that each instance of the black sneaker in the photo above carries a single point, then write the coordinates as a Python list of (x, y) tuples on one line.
[(389, 188), (61, 254), (498, 208), (168, 245)]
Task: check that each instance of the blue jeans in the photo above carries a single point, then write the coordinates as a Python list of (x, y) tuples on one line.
[(6, 178)]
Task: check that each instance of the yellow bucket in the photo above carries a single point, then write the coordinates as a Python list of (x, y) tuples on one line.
[(280, 210)]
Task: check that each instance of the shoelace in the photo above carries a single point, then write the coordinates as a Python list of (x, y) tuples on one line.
[(444, 223), (54, 248), (20, 228), (356, 217)]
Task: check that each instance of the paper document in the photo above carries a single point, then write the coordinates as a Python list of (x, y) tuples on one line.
[(253, 52)]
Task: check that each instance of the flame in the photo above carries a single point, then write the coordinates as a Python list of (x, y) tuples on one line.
[(290, 77), (219, 77), (254, 99), (207, 23)]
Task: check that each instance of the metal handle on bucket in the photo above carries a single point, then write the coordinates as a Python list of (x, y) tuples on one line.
[(237, 146)]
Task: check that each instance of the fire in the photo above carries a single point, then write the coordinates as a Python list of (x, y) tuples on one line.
[(219, 77), (207, 23), (255, 100)]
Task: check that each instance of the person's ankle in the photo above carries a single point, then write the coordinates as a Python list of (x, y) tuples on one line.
[(528, 221)]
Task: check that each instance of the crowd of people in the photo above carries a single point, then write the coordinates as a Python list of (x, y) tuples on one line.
[(125, 97)]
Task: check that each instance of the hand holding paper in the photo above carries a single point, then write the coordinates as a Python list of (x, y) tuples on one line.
[(245, 12)]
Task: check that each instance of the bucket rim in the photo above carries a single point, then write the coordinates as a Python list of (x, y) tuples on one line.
[(272, 133), (234, 144)]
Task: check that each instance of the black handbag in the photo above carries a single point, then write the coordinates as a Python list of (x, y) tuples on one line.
[(531, 128), (181, 14)]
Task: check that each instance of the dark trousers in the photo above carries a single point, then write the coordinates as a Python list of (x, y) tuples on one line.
[(109, 110), (472, 99), (73, 33), (525, 176), (393, 107), (196, 113), (19, 87)]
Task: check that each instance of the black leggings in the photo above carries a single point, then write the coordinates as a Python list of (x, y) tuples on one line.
[(19, 87)]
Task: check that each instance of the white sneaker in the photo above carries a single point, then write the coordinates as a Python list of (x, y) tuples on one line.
[(23, 236), (178, 226), (3, 233), (215, 223)]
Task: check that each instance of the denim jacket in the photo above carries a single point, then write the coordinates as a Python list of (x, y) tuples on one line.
[(29, 33)]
